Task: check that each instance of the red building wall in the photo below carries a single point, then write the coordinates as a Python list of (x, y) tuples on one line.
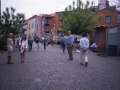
[(108, 12)]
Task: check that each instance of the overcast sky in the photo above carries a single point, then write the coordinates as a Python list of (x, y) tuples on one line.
[(31, 7)]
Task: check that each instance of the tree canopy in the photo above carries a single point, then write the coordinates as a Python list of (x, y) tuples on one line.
[(11, 22), (79, 18)]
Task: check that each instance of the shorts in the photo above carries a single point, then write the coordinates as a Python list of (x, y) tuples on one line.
[(9, 53)]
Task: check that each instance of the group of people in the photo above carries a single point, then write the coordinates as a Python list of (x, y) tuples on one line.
[(65, 42), (84, 46), (22, 43)]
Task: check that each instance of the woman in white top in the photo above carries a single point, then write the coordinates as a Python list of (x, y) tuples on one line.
[(23, 47)]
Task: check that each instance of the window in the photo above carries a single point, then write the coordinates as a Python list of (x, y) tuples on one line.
[(119, 17), (32, 25), (108, 19)]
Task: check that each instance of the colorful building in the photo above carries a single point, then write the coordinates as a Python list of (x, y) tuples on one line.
[(34, 26), (106, 34)]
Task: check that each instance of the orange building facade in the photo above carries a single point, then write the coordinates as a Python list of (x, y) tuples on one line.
[(110, 18)]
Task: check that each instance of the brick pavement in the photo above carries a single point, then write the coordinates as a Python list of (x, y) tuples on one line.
[(50, 70)]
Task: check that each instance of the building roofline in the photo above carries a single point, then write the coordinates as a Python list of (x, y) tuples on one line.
[(32, 17), (108, 9)]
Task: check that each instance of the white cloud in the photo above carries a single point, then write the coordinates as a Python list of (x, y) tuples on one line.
[(30, 7)]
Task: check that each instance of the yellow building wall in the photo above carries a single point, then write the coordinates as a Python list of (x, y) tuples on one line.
[(29, 22)]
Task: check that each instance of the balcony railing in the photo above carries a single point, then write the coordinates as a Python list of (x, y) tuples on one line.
[(46, 22)]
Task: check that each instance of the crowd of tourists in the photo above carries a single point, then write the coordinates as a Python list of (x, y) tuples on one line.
[(22, 43)]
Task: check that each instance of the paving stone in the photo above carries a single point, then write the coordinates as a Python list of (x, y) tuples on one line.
[(51, 70)]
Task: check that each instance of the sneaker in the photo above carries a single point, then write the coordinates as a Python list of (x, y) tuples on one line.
[(86, 63), (70, 59)]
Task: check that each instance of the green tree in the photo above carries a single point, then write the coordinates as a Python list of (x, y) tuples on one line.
[(11, 22), (79, 19)]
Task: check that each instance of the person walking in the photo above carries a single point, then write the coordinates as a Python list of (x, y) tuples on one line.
[(70, 45), (84, 45), (45, 42), (19, 41), (37, 41), (16, 41), (30, 43), (10, 47), (63, 41), (23, 47)]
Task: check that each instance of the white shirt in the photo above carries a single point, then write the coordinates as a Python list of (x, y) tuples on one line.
[(84, 42), (9, 44), (24, 43), (93, 45), (19, 39)]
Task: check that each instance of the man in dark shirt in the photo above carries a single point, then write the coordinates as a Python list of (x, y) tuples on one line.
[(30, 43), (37, 40)]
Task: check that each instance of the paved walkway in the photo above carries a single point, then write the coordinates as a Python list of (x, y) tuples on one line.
[(51, 70)]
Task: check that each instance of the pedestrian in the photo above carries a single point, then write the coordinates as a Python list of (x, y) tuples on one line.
[(10, 47), (52, 42), (23, 47), (16, 41), (70, 45), (47, 38), (84, 45), (93, 46), (63, 41), (19, 41), (37, 41), (45, 42), (30, 43), (42, 39)]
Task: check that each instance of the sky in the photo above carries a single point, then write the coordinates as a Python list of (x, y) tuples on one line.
[(32, 7)]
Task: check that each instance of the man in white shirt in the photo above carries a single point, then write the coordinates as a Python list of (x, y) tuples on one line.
[(84, 45), (93, 46)]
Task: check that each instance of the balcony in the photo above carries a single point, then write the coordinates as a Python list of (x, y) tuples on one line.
[(46, 22), (60, 18)]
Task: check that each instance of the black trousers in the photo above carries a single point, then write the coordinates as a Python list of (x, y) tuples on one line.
[(44, 46), (30, 47)]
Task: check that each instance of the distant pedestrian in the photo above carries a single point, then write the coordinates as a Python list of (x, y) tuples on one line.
[(30, 43), (93, 46), (63, 42), (10, 47), (23, 47), (45, 42), (84, 45), (42, 40), (52, 42), (37, 41), (70, 45), (47, 38), (19, 41), (16, 41)]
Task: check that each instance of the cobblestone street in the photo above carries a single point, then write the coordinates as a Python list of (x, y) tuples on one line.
[(51, 70)]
